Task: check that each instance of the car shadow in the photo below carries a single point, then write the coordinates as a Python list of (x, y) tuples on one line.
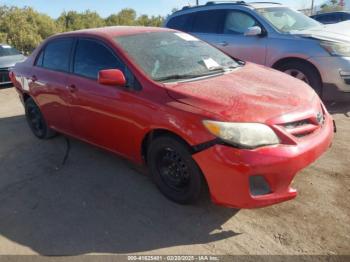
[(338, 108), (95, 202), (3, 86)]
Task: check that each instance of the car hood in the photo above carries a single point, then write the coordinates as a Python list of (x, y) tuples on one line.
[(339, 32), (252, 93), (10, 61)]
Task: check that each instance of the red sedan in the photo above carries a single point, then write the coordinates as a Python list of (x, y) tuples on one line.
[(197, 117)]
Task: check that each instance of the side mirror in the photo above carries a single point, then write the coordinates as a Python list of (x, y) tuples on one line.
[(111, 77), (253, 31)]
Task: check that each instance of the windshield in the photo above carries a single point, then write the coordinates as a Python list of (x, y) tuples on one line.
[(6, 50), (167, 56), (287, 20)]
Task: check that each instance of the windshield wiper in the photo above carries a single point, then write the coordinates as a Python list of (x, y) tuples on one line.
[(222, 68), (175, 77), (213, 71)]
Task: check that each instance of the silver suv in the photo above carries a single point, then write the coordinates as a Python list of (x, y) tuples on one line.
[(9, 56), (276, 36)]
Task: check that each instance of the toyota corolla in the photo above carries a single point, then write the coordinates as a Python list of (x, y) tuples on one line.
[(195, 116)]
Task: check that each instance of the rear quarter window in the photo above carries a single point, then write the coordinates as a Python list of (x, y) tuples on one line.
[(208, 21), (181, 22)]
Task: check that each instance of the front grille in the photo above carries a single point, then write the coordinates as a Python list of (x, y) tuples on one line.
[(301, 128), (4, 76), (297, 124), (307, 126)]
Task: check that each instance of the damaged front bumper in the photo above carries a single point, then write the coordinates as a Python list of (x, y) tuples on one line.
[(241, 178)]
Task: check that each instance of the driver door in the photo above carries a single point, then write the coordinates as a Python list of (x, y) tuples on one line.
[(234, 42), (100, 113)]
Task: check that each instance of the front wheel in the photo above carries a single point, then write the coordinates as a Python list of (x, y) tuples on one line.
[(174, 171), (304, 72), (36, 120)]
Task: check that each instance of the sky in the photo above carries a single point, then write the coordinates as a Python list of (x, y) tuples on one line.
[(107, 7)]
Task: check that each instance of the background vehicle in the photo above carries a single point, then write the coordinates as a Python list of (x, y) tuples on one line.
[(332, 18), (192, 113), (277, 36), (9, 56)]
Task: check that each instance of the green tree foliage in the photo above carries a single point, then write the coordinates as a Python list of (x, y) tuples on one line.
[(331, 6), (25, 28), (70, 21), (144, 20), (124, 17)]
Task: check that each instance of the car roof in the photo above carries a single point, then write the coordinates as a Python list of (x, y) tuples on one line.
[(115, 31), (252, 5), (257, 5)]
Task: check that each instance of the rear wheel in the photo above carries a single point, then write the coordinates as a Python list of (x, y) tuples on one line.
[(304, 72), (36, 120), (174, 171)]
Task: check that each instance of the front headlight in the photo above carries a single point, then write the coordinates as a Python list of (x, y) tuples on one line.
[(244, 135), (337, 49)]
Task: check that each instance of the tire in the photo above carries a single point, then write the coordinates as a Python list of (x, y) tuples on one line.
[(312, 76), (36, 120), (174, 171)]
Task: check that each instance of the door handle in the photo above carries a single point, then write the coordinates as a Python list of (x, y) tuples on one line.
[(72, 88), (223, 43)]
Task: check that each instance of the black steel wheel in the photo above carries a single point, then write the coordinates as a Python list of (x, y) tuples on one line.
[(174, 171), (36, 120)]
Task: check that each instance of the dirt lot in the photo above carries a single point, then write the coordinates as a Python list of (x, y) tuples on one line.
[(98, 203)]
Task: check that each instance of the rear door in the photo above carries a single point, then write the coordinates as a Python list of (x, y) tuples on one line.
[(48, 83)]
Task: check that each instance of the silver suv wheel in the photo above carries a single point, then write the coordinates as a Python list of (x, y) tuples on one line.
[(297, 74)]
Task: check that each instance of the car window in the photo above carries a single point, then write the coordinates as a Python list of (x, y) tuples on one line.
[(238, 22), (181, 22), (208, 21), (331, 18), (91, 57), (287, 20), (321, 18), (339, 17), (6, 50), (56, 55), (40, 59)]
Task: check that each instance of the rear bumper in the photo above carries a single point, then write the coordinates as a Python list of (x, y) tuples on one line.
[(227, 169)]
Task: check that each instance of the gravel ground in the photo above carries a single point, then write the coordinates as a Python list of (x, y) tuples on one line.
[(99, 203)]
